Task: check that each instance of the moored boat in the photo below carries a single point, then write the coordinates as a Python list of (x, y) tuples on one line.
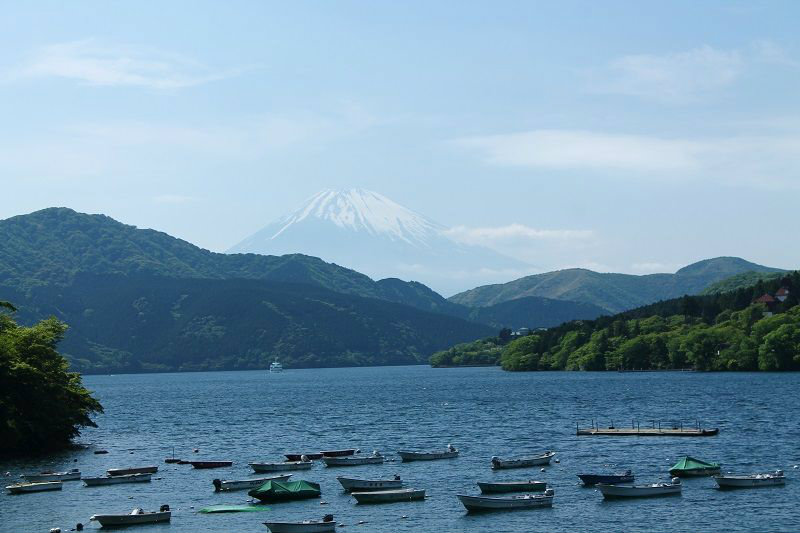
[(732, 481), (523, 462), (640, 491), (70, 475), (691, 467), (339, 453), (354, 460), (281, 467), (241, 484), (498, 503), (275, 366), (137, 516), (210, 464), (132, 470), (299, 456), (277, 491), (388, 496), (449, 453), (609, 479), (326, 525), (116, 480), (38, 486), (363, 485), (512, 486)]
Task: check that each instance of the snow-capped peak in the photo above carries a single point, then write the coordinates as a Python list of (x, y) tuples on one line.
[(362, 210)]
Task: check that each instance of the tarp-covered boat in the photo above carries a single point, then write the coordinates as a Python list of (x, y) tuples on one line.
[(689, 466), (608, 479), (276, 491)]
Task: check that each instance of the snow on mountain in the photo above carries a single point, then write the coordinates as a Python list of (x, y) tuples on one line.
[(368, 232)]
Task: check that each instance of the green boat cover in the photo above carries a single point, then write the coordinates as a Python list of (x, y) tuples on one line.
[(286, 490), (690, 463), (234, 508)]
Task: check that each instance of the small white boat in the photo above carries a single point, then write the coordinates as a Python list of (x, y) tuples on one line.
[(387, 496), (137, 516), (449, 453), (326, 525), (354, 460), (276, 367), (725, 481), (512, 486), (241, 484), (281, 467), (115, 480), (132, 470), (640, 491), (70, 475), (497, 503), (363, 485), (522, 462), (21, 488)]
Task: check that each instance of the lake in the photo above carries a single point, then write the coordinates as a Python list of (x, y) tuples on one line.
[(257, 416)]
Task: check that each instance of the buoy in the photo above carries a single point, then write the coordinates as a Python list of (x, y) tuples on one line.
[(558, 460), (404, 516), (195, 450), (542, 470)]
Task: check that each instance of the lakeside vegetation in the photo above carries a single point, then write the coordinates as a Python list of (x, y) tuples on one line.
[(722, 331), (42, 406)]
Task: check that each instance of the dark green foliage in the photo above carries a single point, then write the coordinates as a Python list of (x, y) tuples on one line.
[(612, 292), (42, 406), (483, 352), (740, 281), (722, 331)]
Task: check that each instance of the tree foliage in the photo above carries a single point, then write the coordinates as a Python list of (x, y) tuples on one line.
[(42, 406)]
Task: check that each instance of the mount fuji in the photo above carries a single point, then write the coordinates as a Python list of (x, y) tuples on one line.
[(368, 232)]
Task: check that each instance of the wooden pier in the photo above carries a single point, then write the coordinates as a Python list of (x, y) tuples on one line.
[(656, 430)]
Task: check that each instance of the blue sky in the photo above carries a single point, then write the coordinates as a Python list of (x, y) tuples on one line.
[(619, 136)]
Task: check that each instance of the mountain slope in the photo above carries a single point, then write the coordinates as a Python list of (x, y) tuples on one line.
[(612, 292), (366, 231)]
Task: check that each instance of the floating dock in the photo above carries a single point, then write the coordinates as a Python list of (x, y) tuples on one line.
[(649, 432)]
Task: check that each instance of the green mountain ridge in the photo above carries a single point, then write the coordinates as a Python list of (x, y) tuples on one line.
[(612, 292)]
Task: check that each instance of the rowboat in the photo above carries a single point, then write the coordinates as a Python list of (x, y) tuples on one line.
[(326, 525), (281, 467), (21, 488), (449, 453), (132, 470), (354, 460), (387, 496), (512, 486), (496, 503), (339, 453), (241, 484), (691, 467), (522, 462), (276, 491), (608, 479), (70, 475), (210, 464), (299, 456), (640, 491), (363, 485), (729, 481), (137, 516), (115, 480)]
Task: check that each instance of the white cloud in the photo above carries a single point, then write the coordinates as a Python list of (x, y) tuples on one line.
[(484, 235), (103, 64), (765, 161)]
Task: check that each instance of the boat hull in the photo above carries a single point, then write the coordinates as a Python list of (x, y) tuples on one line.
[(639, 491), (281, 467), (301, 527), (201, 465), (128, 471), (338, 453), (512, 486), (695, 472), (107, 520), (523, 462), (116, 480), (488, 503), (352, 461), (426, 456), (389, 496), (242, 484), (53, 476), (612, 479), (742, 482), (365, 485), (41, 486), (299, 456)]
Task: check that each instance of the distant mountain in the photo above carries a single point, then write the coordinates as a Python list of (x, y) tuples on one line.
[(369, 232), (612, 292), (533, 312), (740, 281)]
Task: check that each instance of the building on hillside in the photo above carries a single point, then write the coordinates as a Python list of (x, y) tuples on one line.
[(769, 301), (782, 294)]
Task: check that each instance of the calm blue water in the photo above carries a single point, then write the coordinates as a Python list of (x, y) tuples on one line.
[(255, 416)]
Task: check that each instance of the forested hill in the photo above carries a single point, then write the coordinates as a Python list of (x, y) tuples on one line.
[(725, 331), (612, 292)]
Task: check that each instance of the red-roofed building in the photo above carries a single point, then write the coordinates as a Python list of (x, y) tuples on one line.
[(765, 299), (782, 294)]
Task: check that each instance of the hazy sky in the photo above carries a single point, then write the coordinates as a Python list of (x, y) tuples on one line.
[(626, 136)]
